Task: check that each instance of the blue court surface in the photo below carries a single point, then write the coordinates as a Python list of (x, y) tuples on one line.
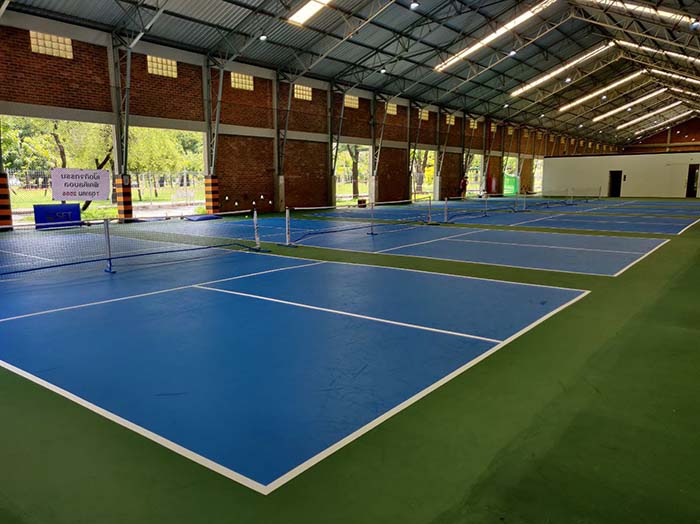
[(622, 224), (587, 254), (259, 366), (666, 220), (595, 255)]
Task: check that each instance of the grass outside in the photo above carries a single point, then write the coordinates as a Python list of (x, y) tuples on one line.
[(26, 198), (589, 418)]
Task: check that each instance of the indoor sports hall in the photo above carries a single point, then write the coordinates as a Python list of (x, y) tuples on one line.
[(349, 261)]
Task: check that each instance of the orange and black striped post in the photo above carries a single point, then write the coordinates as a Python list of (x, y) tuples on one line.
[(5, 207), (124, 208), (211, 189)]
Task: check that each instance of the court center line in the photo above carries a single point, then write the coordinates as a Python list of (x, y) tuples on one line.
[(349, 314), (152, 293), (548, 247)]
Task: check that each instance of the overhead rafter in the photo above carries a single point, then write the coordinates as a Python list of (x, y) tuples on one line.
[(645, 29)]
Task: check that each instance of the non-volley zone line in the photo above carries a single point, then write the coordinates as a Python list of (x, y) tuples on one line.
[(388, 365)]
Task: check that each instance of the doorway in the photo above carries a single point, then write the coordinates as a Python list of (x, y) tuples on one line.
[(615, 187), (352, 174), (691, 190)]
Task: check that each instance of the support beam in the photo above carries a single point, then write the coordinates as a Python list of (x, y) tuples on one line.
[(3, 7), (121, 64)]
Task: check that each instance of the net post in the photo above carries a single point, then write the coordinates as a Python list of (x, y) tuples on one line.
[(486, 205), (256, 231), (287, 227), (445, 210), (108, 245), (430, 205), (371, 219)]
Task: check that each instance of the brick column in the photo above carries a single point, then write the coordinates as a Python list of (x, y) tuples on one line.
[(124, 208), (5, 208), (211, 189)]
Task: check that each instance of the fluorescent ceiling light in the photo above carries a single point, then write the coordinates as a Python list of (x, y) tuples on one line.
[(649, 115), (675, 76), (602, 90), (499, 32), (638, 9), (308, 10), (665, 122), (651, 50), (568, 65), (633, 103)]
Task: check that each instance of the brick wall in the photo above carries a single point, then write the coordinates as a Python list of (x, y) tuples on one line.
[(244, 172), (395, 125), (32, 78), (453, 133), (474, 138), (450, 176), (427, 133), (310, 116), (306, 174), (392, 175), (356, 122), (683, 137), (241, 107), (165, 97)]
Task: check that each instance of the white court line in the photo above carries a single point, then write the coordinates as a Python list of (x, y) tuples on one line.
[(450, 275), (269, 488), (535, 220), (428, 241), (25, 255), (641, 258), (651, 220), (687, 227), (349, 314), (195, 457), (547, 247), (151, 293), (532, 268), (272, 486)]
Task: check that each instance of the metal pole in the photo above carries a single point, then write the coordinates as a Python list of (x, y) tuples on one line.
[(256, 232), (108, 244), (287, 223)]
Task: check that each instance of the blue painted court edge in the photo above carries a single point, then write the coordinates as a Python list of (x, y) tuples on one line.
[(306, 363)]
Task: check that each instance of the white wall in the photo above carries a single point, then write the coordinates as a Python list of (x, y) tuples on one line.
[(652, 175)]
